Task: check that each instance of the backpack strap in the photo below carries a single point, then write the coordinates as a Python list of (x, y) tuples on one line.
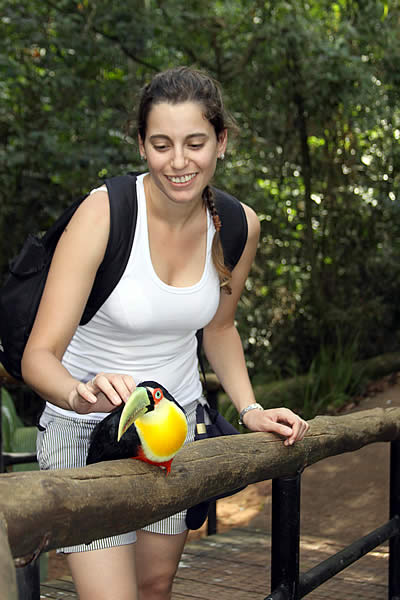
[(233, 235), (123, 216), (234, 229)]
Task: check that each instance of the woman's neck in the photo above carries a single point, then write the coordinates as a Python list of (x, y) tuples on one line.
[(174, 214)]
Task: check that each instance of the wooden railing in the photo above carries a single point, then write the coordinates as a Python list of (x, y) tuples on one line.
[(43, 510)]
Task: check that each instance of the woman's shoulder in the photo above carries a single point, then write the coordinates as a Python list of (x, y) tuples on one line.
[(253, 222), (95, 208)]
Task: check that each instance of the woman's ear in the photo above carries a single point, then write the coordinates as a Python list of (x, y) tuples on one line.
[(141, 148), (222, 142)]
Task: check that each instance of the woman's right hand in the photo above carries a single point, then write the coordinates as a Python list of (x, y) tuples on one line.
[(103, 393)]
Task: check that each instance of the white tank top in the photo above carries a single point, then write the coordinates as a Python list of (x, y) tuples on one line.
[(147, 328)]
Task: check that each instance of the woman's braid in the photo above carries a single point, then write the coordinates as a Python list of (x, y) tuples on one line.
[(224, 273), (209, 198)]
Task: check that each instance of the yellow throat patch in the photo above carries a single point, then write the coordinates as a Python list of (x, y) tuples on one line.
[(162, 431)]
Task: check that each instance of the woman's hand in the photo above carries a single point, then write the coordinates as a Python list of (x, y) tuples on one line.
[(282, 421), (103, 393)]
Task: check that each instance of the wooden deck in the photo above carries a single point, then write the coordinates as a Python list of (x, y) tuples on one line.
[(235, 566)]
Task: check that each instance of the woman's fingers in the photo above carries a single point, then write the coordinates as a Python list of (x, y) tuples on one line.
[(281, 421), (117, 387), (300, 428), (107, 385), (86, 392), (102, 393)]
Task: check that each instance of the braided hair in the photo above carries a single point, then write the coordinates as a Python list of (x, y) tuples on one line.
[(217, 251), (184, 84)]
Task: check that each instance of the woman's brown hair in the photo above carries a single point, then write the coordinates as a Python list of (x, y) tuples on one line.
[(184, 84)]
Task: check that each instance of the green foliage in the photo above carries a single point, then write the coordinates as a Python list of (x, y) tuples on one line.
[(332, 380), (315, 89), (322, 95), (15, 436)]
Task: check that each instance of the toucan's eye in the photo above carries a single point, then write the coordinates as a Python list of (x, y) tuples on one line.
[(158, 395)]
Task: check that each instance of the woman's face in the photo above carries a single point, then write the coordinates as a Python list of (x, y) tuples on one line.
[(181, 148)]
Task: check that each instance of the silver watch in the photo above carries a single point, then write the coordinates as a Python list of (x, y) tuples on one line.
[(254, 406)]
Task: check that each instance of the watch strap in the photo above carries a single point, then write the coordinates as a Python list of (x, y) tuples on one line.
[(254, 406)]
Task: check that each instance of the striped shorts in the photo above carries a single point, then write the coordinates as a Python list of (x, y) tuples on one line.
[(63, 442)]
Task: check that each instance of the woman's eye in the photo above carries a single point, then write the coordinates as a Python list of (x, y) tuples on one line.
[(196, 146), (161, 148)]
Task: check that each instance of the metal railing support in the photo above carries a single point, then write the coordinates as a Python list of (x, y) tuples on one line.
[(394, 512), (286, 581), (28, 581), (336, 563), (212, 524), (285, 542)]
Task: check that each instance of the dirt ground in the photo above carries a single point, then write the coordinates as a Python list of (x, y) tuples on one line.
[(342, 498)]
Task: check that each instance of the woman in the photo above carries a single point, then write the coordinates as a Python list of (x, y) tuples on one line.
[(173, 285)]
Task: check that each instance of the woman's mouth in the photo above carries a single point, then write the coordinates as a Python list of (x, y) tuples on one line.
[(181, 179)]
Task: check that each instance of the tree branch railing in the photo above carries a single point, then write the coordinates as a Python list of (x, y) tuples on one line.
[(44, 510)]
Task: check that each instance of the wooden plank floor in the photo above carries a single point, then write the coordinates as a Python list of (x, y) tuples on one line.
[(235, 566)]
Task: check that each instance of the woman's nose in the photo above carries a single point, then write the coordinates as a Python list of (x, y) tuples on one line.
[(179, 160)]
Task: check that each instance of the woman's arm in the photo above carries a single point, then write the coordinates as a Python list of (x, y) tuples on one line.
[(73, 269), (224, 351)]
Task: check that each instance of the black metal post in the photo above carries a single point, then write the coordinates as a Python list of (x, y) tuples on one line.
[(394, 511), (212, 519), (212, 526), (285, 549), (28, 581)]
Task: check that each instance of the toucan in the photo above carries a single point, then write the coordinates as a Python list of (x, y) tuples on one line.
[(151, 426)]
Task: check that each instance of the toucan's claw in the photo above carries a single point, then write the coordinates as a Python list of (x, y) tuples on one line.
[(136, 406), (166, 464)]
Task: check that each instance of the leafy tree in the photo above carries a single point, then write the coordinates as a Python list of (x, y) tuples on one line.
[(314, 87)]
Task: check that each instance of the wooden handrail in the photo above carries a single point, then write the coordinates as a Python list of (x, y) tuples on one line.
[(44, 510)]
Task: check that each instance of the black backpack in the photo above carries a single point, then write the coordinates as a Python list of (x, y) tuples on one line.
[(21, 293)]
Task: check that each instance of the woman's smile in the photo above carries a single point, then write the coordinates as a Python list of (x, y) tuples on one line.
[(181, 148), (181, 179)]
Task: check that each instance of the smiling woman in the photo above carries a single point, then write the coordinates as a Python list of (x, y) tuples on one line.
[(175, 283), (182, 148)]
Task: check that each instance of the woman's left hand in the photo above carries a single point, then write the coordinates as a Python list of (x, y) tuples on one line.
[(282, 421)]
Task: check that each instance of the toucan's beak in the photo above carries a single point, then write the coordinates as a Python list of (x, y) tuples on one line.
[(137, 405)]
